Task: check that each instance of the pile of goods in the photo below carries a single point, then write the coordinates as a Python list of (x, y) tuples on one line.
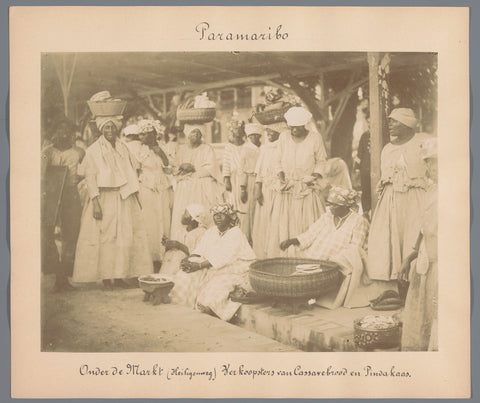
[(307, 269), (277, 103), (377, 332), (197, 110), (387, 301)]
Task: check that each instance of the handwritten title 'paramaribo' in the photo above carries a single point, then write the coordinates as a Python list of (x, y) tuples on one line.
[(270, 34)]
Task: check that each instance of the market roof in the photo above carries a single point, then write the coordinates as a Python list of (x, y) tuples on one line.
[(143, 73)]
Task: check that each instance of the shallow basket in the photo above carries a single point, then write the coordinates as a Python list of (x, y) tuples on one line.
[(373, 339), (273, 277), (271, 116), (107, 108), (196, 115), (150, 286)]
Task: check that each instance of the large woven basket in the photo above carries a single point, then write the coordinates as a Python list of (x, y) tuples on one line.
[(273, 277), (196, 115), (107, 108), (373, 339), (271, 116)]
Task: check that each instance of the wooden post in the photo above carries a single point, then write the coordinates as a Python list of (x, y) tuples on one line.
[(376, 123)]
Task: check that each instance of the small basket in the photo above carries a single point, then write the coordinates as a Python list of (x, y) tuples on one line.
[(107, 108), (150, 286), (373, 339), (196, 115), (273, 277), (271, 116)]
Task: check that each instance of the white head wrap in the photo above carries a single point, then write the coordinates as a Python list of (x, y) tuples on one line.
[(430, 148), (101, 121), (404, 116), (297, 116), (253, 128), (196, 211), (190, 128), (131, 129)]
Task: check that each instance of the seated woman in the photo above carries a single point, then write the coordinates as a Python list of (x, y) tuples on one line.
[(218, 265), (339, 235), (176, 251)]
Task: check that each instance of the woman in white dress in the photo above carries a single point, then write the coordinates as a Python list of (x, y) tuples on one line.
[(112, 242), (300, 165), (197, 177), (218, 265)]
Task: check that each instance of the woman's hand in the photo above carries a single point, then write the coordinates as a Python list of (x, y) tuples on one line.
[(243, 194), (228, 183), (186, 168), (281, 176), (258, 193), (97, 209), (285, 244)]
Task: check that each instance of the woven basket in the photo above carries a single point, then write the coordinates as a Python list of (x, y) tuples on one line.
[(273, 277), (196, 115), (272, 116), (372, 339), (107, 108)]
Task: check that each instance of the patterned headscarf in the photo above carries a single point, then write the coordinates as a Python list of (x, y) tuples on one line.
[(147, 126), (101, 121), (228, 210), (343, 197)]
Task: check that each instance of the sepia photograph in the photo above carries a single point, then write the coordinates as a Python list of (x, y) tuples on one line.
[(240, 202), (287, 200)]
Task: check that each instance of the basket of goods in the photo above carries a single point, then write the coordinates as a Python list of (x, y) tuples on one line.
[(377, 332), (294, 278), (197, 110), (276, 105), (102, 104), (156, 287)]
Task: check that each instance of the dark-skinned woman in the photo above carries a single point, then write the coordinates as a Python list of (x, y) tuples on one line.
[(300, 165), (197, 178), (218, 265), (113, 242), (153, 192), (264, 192), (396, 219), (340, 235)]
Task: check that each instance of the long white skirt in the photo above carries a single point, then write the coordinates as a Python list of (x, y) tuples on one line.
[(394, 231), (217, 285), (291, 216), (204, 191), (261, 224), (115, 246), (153, 204)]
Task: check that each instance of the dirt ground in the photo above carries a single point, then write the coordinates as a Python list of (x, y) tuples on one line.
[(90, 319)]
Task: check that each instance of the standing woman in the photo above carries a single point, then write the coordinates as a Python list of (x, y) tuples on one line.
[(112, 244), (300, 163), (396, 219), (233, 171), (264, 192), (153, 193), (421, 307), (197, 178)]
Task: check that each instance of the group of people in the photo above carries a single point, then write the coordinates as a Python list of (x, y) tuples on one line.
[(131, 205)]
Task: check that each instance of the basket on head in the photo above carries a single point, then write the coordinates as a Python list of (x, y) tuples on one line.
[(273, 277), (196, 115), (268, 117), (111, 107)]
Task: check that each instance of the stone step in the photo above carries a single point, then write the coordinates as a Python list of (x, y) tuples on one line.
[(314, 329)]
